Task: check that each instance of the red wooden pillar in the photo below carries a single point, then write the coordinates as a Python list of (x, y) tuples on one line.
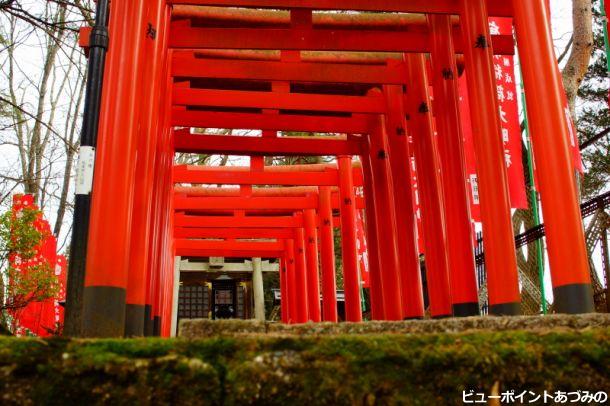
[(165, 196), (151, 277), (168, 286), (106, 276), (158, 202), (385, 218), (460, 251), (158, 228), (551, 144), (164, 251), (301, 276), (162, 277), (500, 251), (284, 289), (170, 252), (406, 223), (430, 186), (142, 204), (351, 279), (291, 282), (372, 241), (327, 255), (160, 296), (311, 253)]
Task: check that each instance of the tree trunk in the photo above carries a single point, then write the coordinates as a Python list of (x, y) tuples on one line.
[(70, 147), (582, 47)]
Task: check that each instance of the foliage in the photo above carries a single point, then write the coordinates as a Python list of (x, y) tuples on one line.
[(343, 369), (26, 277), (338, 257), (594, 115), (271, 280), (298, 160)]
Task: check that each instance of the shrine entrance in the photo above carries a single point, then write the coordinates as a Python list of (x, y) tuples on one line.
[(224, 299)]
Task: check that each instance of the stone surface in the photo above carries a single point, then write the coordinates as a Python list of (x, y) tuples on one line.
[(314, 369), (209, 328), (243, 363)]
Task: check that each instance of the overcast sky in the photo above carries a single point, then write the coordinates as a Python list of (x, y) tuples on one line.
[(561, 15)]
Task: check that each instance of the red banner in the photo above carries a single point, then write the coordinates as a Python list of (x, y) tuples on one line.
[(414, 185), (504, 70), (361, 249), (469, 155)]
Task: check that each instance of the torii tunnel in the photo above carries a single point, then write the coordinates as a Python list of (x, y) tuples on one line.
[(356, 85)]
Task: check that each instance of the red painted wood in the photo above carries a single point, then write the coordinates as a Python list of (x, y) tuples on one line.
[(311, 253), (429, 188), (385, 218), (185, 65), (153, 75), (210, 175), (229, 211), (272, 100), (327, 178), (349, 254), (162, 223), (245, 203), (327, 257), (282, 122), (497, 8), (265, 211), (203, 253), (271, 169), (182, 220), (450, 141), (301, 276), (107, 260), (256, 146), (230, 245), (284, 316), (185, 37), (372, 242), (500, 258), (292, 288), (259, 216), (233, 191), (551, 145), (270, 176), (232, 233), (406, 222)]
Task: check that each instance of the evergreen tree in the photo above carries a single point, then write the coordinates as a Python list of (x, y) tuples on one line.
[(593, 115)]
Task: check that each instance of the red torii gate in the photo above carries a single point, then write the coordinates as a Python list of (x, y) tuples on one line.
[(123, 244), (314, 204)]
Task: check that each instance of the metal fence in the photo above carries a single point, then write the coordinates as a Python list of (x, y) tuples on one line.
[(531, 253)]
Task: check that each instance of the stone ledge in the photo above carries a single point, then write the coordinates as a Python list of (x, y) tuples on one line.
[(202, 328), (322, 369)]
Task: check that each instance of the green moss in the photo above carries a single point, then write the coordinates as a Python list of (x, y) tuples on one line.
[(315, 369), (419, 370)]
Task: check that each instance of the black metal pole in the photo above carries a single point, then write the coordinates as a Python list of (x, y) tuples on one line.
[(98, 44)]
